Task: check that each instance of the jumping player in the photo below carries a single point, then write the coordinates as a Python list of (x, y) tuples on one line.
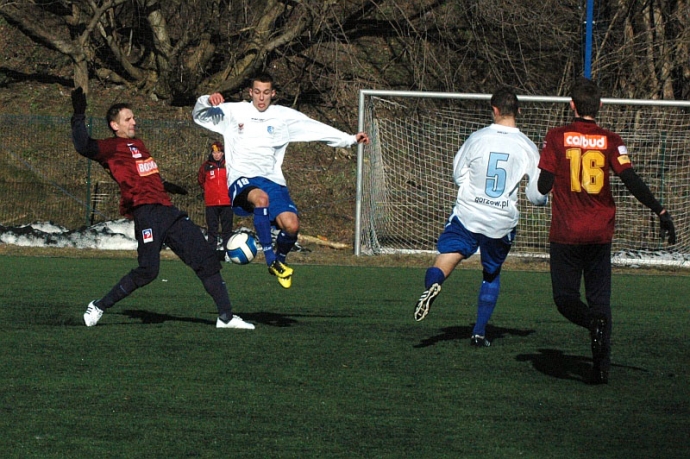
[(256, 136), (575, 162), (487, 169), (156, 221)]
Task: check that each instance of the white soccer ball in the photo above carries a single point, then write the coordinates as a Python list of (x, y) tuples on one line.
[(241, 248)]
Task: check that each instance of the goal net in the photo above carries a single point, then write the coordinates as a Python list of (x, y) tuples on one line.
[(405, 189)]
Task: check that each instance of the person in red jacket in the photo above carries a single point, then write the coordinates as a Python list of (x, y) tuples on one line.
[(213, 179)]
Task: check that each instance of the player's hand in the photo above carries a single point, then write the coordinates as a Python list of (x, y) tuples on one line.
[(79, 101), (216, 99), (666, 227), (362, 137), (174, 189)]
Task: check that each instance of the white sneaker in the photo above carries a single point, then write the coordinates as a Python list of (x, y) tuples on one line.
[(93, 314), (235, 322)]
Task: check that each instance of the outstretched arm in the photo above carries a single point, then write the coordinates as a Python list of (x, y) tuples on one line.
[(83, 143), (208, 114), (642, 193)]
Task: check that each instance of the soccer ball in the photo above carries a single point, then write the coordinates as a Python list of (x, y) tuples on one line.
[(241, 248)]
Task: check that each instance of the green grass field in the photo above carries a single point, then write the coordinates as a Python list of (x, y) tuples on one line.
[(337, 367)]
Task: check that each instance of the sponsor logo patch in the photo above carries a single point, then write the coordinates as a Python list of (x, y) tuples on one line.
[(147, 235), (624, 159), (147, 167), (576, 139)]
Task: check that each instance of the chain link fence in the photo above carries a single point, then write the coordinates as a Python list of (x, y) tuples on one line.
[(42, 177)]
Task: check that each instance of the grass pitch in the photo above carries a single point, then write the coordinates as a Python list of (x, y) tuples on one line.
[(337, 367)]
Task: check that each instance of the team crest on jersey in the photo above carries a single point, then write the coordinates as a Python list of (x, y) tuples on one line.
[(147, 235), (270, 129), (135, 151)]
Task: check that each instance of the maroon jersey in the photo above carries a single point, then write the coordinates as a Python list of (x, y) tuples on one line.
[(133, 168), (580, 156)]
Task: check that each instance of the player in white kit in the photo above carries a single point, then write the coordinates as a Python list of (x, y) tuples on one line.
[(487, 169)]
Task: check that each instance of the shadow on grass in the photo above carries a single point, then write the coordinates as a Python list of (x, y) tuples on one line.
[(148, 317), (556, 364), (264, 318), (462, 333)]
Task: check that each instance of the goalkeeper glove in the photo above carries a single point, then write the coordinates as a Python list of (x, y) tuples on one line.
[(174, 189), (79, 101), (667, 228)]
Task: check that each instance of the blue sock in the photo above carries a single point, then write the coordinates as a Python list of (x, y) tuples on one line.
[(262, 225), (433, 276), (488, 296), (284, 243)]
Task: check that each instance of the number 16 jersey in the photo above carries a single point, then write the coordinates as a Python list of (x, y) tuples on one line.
[(580, 156)]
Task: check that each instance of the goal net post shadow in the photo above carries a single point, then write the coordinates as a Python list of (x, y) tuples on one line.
[(405, 189)]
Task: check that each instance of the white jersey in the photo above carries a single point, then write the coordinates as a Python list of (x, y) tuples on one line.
[(488, 169), (255, 142)]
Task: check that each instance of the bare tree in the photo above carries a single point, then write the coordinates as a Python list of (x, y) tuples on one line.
[(325, 50)]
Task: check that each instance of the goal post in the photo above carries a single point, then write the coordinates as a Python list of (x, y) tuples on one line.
[(405, 189)]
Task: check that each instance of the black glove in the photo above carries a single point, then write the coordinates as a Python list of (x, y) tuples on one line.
[(666, 227), (79, 101), (174, 189)]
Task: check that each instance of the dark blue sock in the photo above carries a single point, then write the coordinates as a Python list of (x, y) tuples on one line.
[(433, 276), (284, 243), (262, 225), (488, 296)]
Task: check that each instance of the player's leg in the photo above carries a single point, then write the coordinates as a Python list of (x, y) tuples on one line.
[(597, 278), (285, 215), (187, 242), (149, 231), (249, 198), (566, 266), (226, 219), (493, 254), (288, 224), (212, 225), (454, 244)]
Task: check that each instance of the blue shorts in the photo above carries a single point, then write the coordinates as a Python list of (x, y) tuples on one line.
[(455, 238), (279, 199)]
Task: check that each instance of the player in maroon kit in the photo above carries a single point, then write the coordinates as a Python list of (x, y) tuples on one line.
[(156, 221), (575, 162)]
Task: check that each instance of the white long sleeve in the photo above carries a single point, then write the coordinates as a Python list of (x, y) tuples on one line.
[(256, 142)]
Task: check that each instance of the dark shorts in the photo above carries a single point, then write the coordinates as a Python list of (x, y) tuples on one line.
[(279, 199), (455, 238), (571, 263), (157, 225)]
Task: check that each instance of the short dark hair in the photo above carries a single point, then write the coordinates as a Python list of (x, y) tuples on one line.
[(113, 113), (261, 78), (587, 97), (506, 101)]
